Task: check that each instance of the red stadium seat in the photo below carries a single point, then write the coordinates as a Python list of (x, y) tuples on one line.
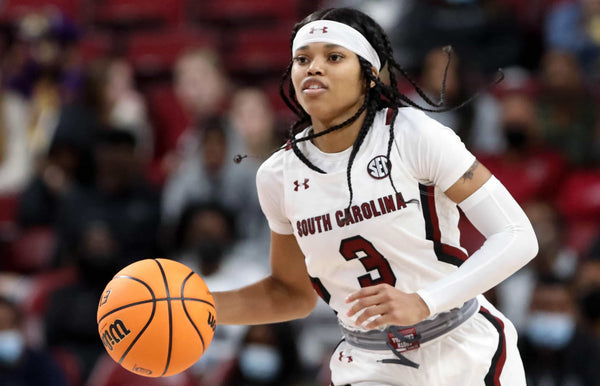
[(152, 52), (260, 50), (94, 45), (134, 13), (271, 87), (245, 11), (8, 208), (578, 201), (70, 365), (44, 284), (580, 234), (12, 10), (168, 117), (107, 372), (579, 196), (32, 251)]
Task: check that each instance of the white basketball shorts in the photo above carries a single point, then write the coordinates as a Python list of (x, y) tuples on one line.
[(480, 352)]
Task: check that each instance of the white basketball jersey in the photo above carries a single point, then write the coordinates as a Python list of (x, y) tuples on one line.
[(407, 238)]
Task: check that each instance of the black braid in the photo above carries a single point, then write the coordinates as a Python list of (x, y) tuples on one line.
[(371, 99), (389, 148)]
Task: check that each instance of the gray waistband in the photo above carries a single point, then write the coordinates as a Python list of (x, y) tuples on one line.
[(416, 334)]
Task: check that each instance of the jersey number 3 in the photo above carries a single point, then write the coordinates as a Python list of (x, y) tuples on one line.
[(359, 248)]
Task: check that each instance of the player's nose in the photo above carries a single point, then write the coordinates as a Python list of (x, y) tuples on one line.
[(316, 67)]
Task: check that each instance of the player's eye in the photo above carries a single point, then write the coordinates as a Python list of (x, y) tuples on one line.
[(301, 59), (335, 57)]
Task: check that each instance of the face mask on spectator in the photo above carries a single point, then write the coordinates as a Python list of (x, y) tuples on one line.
[(550, 330), (260, 363), (12, 346), (210, 251), (516, 136)]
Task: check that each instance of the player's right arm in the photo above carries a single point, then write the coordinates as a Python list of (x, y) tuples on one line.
[(284, 295)]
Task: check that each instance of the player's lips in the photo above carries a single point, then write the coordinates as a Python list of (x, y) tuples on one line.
[(312, 86)]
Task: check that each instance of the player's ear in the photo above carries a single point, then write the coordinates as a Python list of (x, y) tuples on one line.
[(375, 74)]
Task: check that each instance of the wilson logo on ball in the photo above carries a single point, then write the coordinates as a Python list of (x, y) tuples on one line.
[(379, 167), (211, 321), (115, 333)]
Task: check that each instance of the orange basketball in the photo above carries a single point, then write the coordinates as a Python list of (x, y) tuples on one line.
[(156, 317)]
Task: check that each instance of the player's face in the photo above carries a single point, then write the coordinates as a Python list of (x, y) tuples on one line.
[(327, 81)]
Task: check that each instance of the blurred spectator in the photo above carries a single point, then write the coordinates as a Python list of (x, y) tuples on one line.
[(122, 105), (568, 113), (555, 350), (574, 26), (202, 88), (15, 161), (476, 122), (252, 117), (554, 258), (268, 356), (527, 167), (41, 65), (76, 333), (530, 17), (587, 291), (119, 204), (45, 112), (20, 364), (61, 145), (589, 304), (43, 47), (480, 31), (210, 175), (206, 239), (200, 83), (65, 162)]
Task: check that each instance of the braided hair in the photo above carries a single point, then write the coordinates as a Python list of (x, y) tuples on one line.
[(378, 97)]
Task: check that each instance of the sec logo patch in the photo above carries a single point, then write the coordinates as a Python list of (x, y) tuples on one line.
[(379, 167)]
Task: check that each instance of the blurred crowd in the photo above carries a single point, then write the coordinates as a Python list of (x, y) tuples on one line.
[(120, 120)]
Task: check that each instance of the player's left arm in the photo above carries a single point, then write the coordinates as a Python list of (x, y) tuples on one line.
[(510, 240), (510, 244)]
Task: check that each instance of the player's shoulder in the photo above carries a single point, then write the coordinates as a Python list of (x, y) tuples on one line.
[(414, 124), (412, 119), (272, 167)]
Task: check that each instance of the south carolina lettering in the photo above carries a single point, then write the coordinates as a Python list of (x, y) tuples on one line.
[(354, 214)]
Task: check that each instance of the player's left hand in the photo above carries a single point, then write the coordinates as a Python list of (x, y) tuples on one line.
[(393, 306)]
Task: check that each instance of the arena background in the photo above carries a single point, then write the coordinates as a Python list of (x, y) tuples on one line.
[(119, 121)]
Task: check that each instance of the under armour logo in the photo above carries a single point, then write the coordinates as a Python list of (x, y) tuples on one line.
[(298, 184), (323, 30), (348, 358)]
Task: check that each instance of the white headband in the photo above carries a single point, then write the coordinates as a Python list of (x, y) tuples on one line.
[(329, 31)]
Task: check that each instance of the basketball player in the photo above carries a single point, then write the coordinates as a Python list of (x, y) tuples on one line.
[(362, 205)]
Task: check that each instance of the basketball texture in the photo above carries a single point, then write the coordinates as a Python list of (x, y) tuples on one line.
[(156, 317)]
